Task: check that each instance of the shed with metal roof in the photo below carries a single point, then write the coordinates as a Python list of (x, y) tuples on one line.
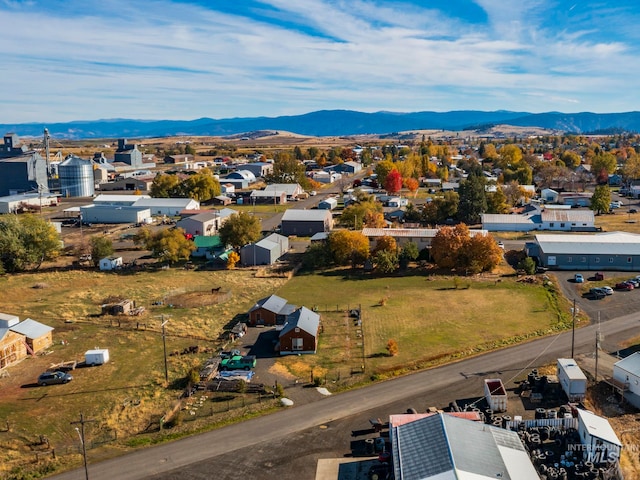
[(306, 223), (38, 335), (599, 441)]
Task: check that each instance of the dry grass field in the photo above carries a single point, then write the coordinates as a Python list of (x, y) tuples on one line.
[(431, 320), (128, 393)]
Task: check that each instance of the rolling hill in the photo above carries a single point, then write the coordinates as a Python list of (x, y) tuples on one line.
[(332, 123)]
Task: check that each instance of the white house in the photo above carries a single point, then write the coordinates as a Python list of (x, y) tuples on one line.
[(110, 263), (626, 374), (600, 444)]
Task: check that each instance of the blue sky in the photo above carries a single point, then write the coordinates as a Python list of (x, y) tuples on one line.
[(181, 59)]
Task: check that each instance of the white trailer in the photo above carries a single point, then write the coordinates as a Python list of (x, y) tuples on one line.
[(496, 394), (96, 357), (572, 379)]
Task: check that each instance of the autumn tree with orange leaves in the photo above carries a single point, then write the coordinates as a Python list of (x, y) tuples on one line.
[(455, 248), (412, 185)]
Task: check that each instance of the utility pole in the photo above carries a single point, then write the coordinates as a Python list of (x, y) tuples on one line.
[(164, 347), (573, 327), (80, 431), (598, 340)]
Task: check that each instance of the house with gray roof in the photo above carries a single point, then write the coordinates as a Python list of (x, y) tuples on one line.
[(271, 310), (207, 222), (601, 251), (443, 446), (300, 333)]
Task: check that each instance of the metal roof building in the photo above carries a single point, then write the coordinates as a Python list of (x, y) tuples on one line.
[(420, 236), (306, 222), (304, 319), (602, 251), (265, 252), (167, 206), (598, 438), (445, 447)]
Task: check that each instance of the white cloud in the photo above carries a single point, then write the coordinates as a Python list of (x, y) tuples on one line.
[(156, 59)]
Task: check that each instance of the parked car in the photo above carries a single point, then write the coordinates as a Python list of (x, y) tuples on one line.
[(633, 210), (578, 278), (624, 286), (607, 290), (597, 293), (54, 378), (501, 245), (634, 281)]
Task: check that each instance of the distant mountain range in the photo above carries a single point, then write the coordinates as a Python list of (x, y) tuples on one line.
[(334, 123)]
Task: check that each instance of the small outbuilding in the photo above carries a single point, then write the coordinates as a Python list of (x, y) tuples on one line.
[(265, 252), (38, 336), (300, 333), (600, 444), (110, 263), (328, 203)]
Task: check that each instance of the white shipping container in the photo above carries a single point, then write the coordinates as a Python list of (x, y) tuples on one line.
[(96, 357), (572, 379)]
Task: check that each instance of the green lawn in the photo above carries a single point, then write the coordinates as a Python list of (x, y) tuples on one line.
[(430, 319)]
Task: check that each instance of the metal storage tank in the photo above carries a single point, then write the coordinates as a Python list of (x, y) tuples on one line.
[(76, 177)]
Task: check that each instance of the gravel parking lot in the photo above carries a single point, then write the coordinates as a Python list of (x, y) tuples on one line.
[(612, 306)]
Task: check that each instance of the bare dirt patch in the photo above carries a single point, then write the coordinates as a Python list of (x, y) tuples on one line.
[(202, 298)]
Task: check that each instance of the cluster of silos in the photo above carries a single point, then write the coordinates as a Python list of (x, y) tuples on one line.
[(76, 177)]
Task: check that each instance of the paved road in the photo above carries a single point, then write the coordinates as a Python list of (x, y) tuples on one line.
[(250, 448), (269, 224)]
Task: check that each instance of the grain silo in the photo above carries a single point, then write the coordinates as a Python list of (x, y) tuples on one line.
[(76, 177)]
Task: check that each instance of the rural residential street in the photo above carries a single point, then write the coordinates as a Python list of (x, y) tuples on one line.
[(288, 443)]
